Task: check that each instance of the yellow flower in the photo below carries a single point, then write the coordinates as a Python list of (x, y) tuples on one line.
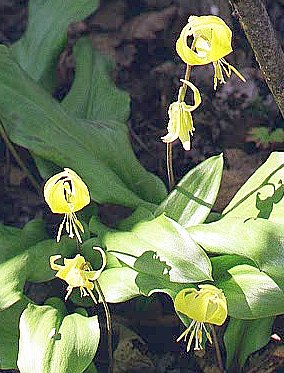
[(66, 193), (180, 119), (77, 272), (211, 43), (207, 305)]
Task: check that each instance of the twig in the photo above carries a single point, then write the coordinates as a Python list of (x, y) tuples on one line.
[(260, 33), (21, 164)]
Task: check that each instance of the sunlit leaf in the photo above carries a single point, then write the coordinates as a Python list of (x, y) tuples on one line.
[(250, 293), (262, 196), (163, 248), (9, 331), (193, 197), (260, 240), (52, 341), (24, 256)]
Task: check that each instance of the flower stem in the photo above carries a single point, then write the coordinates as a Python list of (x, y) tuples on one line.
[(170, 169), (184, 86), (21, 164), (108, 324), (217, 349)]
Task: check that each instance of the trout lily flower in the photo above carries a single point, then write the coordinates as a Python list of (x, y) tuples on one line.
[(180, 119), (205, 306), (78, 273), (66, 193), (211, 43)]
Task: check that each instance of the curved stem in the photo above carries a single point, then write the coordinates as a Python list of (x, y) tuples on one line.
[(170, 170), (217, 349), (21, 164), (108, 324)]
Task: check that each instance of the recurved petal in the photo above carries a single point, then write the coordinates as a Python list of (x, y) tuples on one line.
[(196, 96), (53, 265), (188, 55)]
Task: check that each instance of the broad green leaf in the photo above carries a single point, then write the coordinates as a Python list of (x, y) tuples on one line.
[(193, 197), (9, 332), (13, 258), (243, 337), (93, 94), (24, 256), (118, 284), (99, 152), (250, 293), (262, 195), (260, 240), (181, 260), (54, 342), (38, 50)]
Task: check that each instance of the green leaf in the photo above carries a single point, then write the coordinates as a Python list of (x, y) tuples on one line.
[(193, 197), (38, 50), (9, 331), (54, 342), (260, 240), (250, 293), (99, 152), (262, 195), (23, 257), (118, 284), (181, 259), (139, 215), (93, 94), (243, 337)]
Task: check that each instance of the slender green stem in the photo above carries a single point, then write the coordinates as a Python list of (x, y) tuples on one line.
[(92, 296), (108, 324), (184, 86), (217, 349), (21, 164), (170, 170)]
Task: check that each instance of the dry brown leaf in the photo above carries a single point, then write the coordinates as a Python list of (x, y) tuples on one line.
[(146, 25)]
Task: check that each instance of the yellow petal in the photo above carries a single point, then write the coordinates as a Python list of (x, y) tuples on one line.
[(207, 305), (52, 260), (66, 192), (211, 40), (180, 120)]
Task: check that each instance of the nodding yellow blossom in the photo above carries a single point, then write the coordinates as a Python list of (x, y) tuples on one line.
[(211, 42), (180, 119), (66, 193), (205, 306), (78, 273)]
